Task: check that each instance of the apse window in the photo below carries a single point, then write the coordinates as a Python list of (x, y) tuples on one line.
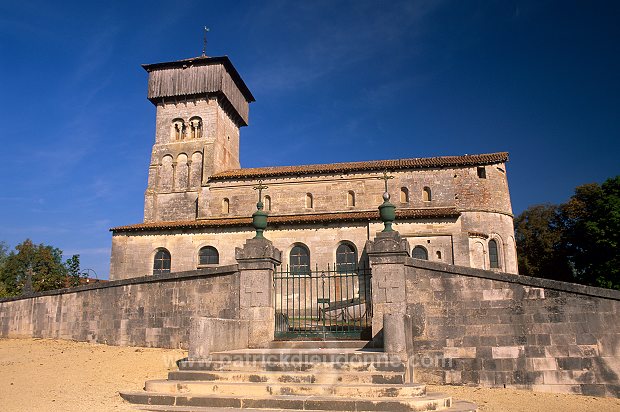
[(493, 254), (482, 172)]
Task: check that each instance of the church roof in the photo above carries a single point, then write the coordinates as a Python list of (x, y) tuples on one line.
[(375, 165), (361, 216)]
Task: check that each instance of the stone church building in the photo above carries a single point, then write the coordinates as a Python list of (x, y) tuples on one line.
[(199, 200)]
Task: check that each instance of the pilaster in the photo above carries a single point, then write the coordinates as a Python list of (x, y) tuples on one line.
[(257, 260), (387, 254)]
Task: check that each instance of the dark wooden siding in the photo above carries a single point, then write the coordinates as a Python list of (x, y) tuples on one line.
[(196, 80)]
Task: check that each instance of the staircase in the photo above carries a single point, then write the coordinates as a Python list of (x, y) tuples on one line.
[(309, 376)]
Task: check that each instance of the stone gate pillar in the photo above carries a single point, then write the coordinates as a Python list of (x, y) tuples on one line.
[(257, 259), (387, 254)]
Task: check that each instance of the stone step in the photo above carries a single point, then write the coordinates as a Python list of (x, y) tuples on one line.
[(285, 366), (457, 406), (200, 388), (289, 377), (430, 402), (339, 355), (326, 344)]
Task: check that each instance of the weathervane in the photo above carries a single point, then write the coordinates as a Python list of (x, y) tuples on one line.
[(204, 41)]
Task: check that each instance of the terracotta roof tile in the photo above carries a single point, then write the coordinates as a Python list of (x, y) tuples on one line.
[(375, 165), (291, 219)]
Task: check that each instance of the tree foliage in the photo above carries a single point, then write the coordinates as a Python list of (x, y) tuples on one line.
[(538, 234), (577, 241), (38, 265)]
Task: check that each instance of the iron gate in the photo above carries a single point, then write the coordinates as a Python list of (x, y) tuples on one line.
[(323, 304)]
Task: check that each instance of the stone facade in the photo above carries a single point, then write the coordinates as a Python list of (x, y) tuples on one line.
[(197, 195)]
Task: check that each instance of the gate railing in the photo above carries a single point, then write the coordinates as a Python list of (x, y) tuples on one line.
[(323, 304)]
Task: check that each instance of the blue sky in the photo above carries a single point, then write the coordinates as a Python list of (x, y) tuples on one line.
[(334, 81)]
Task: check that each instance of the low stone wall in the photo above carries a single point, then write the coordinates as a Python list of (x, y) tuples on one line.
[(151, 311), (475, 326)]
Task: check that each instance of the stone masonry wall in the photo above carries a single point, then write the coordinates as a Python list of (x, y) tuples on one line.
[(132, 253), (480, 327), (151, 311)]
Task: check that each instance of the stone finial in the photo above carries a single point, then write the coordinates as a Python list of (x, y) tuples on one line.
[(259, 218), (387, 212)]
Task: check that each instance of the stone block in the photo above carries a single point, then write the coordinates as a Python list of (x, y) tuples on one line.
[(462, 352), (543, 364), (497, 294), (507, 352), (208, 335)]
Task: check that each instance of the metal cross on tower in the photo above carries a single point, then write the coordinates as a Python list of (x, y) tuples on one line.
[(260, 189), (204, 41)]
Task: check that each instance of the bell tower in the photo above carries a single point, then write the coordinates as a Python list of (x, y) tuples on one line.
[(201, 105)]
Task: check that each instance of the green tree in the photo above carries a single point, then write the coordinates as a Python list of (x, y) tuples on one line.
[(74, 274), (591, 235), (538, 234), (45, 263), (4, 253)]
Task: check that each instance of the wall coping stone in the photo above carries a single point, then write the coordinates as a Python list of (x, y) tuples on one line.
[(516, 279), (168, 277)]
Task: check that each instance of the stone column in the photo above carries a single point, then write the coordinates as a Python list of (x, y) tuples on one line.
[(387, 254), (256, 262)]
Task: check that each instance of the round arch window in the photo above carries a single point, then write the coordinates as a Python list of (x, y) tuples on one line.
[(208, 255), (346, 257), (161, 262), (299, 259), (419, 252)]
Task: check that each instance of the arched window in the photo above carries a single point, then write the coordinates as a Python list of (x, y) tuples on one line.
[(346, 257), (267, 203), (195, 125), (351, 198), (419, 252), (208, 255), (493, 255), (426, 194), (309, 201), (439, 255), (404, 195), (161, 262), (299, 259), (178, 129), (225, 206)]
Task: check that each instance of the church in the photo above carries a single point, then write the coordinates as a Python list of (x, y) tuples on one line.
[(199, 200)]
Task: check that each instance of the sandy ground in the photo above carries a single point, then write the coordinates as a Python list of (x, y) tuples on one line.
[(54, 375)]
